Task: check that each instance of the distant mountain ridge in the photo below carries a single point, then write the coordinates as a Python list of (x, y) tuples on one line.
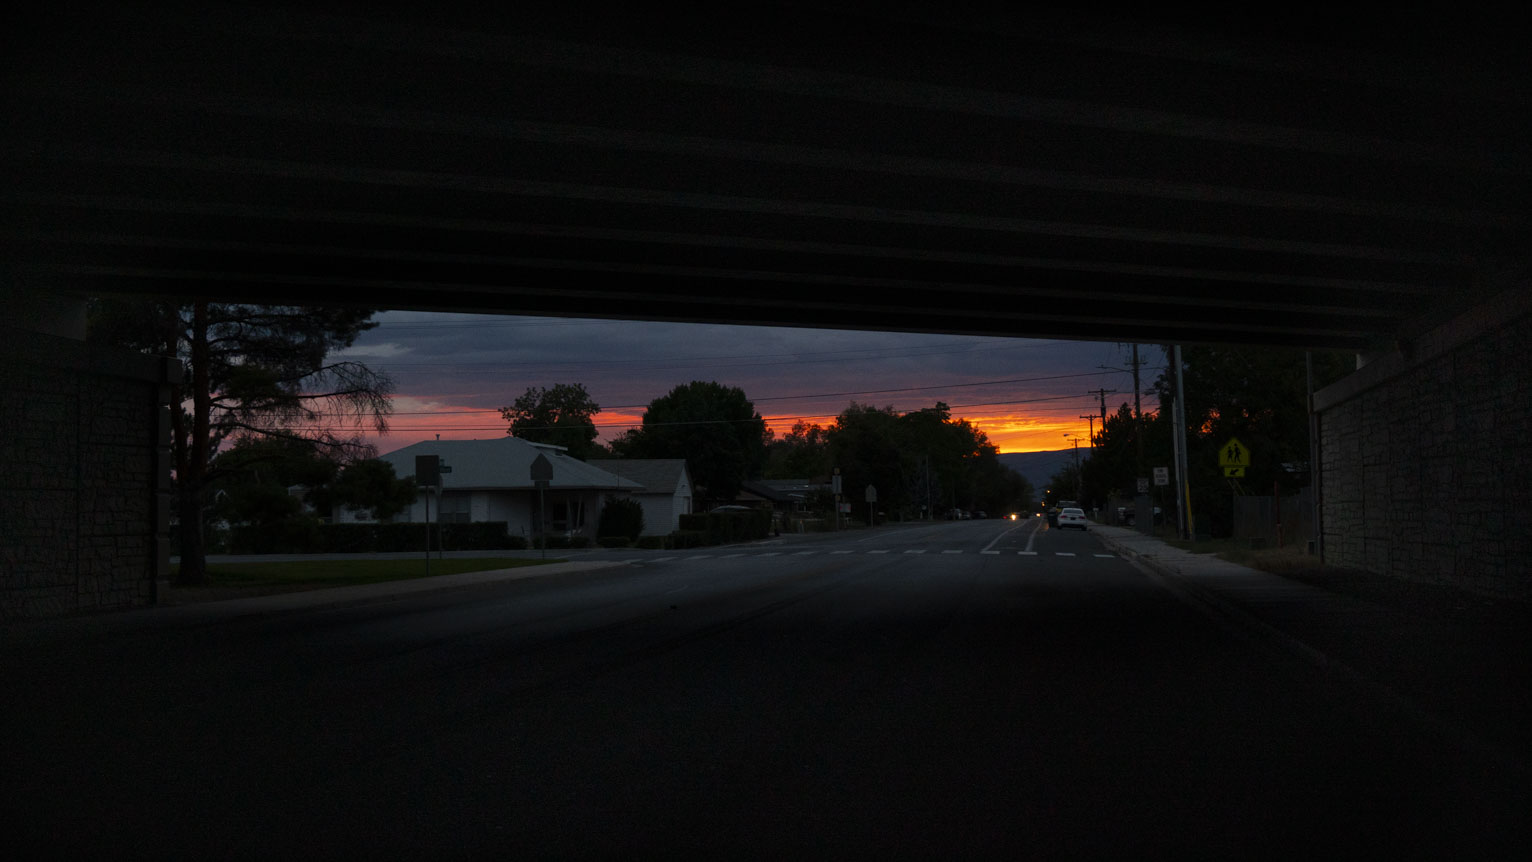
[(1038, 467)]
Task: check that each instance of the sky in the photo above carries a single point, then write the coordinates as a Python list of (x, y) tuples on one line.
[(452, 373)]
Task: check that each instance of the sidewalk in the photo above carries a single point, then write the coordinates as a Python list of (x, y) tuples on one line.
[(1464, 679)]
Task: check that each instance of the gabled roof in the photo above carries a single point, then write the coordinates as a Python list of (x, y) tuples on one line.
[(505, 463), (656, 475), (780, 490)]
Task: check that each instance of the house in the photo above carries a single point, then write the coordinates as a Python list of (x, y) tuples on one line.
[(782, 495), (491, 480), (666, 492)]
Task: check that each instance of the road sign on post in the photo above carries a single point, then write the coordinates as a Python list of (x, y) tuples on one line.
[(872, 499), (1234, 458), (542, 474), (1162, 475), (428, 470)]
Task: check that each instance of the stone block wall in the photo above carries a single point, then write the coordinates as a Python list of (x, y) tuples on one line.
[(84, 476), (1427, 457)]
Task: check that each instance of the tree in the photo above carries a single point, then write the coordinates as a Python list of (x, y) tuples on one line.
[(869, 445), (802, 453), (257, 370), (371, 487), (1110, 467), (560, 416), (621, 516), (714, 427), (1258, 394)]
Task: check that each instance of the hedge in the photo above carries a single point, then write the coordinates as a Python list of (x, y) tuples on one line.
[(722, 528)]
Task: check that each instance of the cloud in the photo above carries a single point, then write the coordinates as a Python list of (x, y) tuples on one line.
[(1021, 392)]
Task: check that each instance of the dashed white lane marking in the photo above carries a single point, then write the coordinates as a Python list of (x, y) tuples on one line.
[(840, 552), (991, 553), (1108, 556), (1063, 553), (770, 554), (882, 551), (804, 553), (1027, 553), (952, 552), (730, 556), (916, 551)]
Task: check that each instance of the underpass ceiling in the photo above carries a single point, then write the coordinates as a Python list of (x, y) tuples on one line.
[(1024, 175)]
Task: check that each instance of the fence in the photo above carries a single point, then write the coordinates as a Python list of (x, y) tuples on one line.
[(1257, 518)]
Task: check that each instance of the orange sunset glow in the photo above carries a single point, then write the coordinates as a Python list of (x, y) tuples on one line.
[(416, 419)]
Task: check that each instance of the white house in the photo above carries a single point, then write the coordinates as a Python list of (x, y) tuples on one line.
[(491, 480), (666, 492)]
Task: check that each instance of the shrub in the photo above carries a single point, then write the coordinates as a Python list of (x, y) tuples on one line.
[(653, 543), (613, 541), (723, 528), (621, 517), (688, 539)]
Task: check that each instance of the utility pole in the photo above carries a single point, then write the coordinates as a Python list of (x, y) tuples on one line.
[(1102, 393), (1184, 493), (1091, 418), (1138, 414)]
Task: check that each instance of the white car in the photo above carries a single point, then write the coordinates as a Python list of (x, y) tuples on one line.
[(1072, 518)]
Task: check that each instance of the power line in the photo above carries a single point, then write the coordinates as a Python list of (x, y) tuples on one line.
[(774, 420), (496, 410)]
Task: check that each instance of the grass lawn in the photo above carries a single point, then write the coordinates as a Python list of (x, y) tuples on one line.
[(315, 574)]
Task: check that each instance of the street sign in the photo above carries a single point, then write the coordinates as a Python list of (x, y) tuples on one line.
[(872, 494), (427, 470), (444, 469), (1162, 475), (1234, 472), (835, 481), (1233, 454), (542, 469), (1143, 485)]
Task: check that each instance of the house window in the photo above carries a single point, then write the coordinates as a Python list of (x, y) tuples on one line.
[(455, 508)]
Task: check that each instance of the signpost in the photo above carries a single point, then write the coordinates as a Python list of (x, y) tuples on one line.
[(428, 470), (542, 474), (1162, 475), (1233, 457), (872, 499), (835, 487)]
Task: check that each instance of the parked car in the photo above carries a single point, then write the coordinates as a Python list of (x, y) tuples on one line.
[(1072, 518)]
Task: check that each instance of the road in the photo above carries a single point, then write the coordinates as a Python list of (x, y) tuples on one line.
[(966, 689)]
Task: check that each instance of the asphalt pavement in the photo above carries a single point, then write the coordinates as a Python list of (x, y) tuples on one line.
[(1465, 679)]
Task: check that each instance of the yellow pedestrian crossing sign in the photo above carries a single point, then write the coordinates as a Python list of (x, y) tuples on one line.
[(1233, 457)]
